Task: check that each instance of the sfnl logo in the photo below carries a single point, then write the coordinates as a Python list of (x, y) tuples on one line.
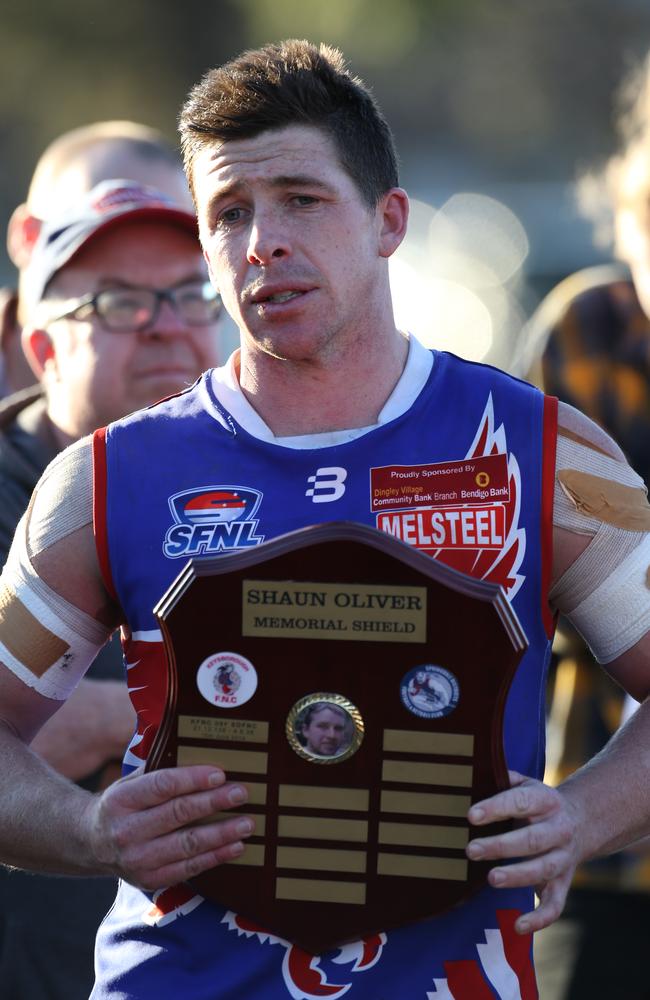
[(212, 519)]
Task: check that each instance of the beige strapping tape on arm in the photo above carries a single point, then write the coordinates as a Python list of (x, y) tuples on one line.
[(605, 500)]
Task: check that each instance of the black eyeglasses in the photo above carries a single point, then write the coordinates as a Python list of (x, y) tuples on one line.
[(122, 310)]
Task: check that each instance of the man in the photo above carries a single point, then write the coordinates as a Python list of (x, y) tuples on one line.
[(82, 380), (323, 728), (71, 165), (591, 335), (294, 176)]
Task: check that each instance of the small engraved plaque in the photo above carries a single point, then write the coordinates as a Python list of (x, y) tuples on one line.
[(343, 611), (220, 728)]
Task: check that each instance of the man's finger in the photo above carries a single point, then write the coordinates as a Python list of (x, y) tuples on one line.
[(188, 868), (527, 799), (181, 811), (526, 841), (534, 871), (182, 846), (551, 904), (148, 790)]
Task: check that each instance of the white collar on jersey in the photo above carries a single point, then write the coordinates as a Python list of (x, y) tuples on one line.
[(225, 386)]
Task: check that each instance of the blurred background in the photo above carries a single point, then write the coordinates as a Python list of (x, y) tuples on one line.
[(497, 106)]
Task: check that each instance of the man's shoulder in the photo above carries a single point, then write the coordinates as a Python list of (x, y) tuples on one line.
[(184, 403), (473, 371)]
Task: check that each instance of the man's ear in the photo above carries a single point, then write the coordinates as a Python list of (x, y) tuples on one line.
[(393, 213), (22, 233), (38, 347)]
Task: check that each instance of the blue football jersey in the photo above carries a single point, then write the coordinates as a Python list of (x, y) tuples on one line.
[(464, 474)]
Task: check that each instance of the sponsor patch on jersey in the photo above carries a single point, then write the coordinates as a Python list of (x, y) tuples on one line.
[(481, 479), (429, 691), (211, 519), (448, 527), (227, 680), (465, 513)]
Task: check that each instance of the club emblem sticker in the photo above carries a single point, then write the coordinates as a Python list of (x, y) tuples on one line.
[(227, 680), (429, 691), (324, 728)]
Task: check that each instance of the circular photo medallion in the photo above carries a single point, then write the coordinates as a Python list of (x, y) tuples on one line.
[(429, 691), (227, 680), (324, 728)]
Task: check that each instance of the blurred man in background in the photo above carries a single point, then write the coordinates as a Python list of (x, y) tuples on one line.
[(592, 338), (87, 372)]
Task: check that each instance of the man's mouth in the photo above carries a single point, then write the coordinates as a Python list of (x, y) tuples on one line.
[(281, 297), (277, 295)]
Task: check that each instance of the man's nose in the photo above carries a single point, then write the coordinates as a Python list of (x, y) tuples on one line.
[(268, 240), (167, 322)]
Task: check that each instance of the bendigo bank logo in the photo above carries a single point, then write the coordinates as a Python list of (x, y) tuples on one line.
[(212, 519)]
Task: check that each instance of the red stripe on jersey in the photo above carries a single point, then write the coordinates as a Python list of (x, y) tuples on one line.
[(549, 444), (518, 952), (465, 981), (147, 680), (100, 480)]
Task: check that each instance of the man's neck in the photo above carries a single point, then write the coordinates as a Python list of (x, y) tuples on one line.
[(315, 396), (59, 435)]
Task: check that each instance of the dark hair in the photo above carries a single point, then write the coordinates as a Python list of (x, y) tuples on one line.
[(307, 714), (293, 83)]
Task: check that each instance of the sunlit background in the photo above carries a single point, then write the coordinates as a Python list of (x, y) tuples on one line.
[(497, 106)]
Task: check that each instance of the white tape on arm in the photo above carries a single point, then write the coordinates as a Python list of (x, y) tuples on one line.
[(616, 614), (44, 639)]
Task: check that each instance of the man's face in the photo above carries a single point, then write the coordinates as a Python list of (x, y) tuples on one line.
[(325, 732), (93, 375), (292, 247)]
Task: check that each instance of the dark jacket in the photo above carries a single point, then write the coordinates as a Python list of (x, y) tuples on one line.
[(47, 924)]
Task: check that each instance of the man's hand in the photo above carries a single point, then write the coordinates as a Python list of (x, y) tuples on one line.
[(153, 829), (545, 839)]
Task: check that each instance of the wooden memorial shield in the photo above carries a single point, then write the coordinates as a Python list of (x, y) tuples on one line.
[(357, 688)]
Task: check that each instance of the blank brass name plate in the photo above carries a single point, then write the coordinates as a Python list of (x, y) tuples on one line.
[(321, 859), (317, 891), (408, 741), (312, 797), (248, 761), (419, 835), (322, 828), (362, 612), (417, 866), (424, 803), (424, 773)]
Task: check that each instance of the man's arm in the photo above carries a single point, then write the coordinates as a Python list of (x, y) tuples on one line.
[(599, 809), (606, 804), (137, 829), (141, 828)]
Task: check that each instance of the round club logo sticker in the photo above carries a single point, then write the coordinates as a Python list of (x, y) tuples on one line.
[(227, 680), (429, 691)]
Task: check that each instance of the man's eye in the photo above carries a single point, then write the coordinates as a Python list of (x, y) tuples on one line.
[(305, 199), (229, 216)]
